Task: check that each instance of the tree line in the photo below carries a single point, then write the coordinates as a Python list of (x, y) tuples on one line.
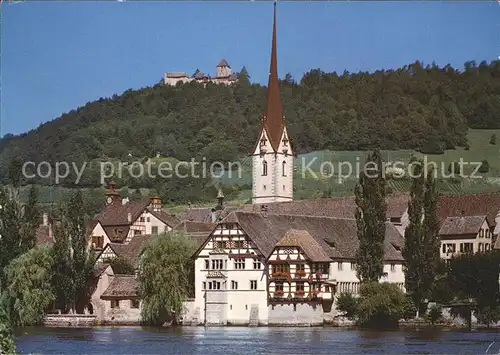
[(422, 107), (468, 282)]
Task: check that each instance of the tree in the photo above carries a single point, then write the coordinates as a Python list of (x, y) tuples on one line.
[(166, 270), (7, 345), (244, 77), (421, 242), (29, 288), (18, 222), (485, 167), (380, 305), (434, 314), (347, 303), (31, 220), (73, 266), (370, 219), (121, 266), (493, 139)]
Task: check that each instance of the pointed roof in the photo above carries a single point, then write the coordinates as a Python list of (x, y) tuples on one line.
[(223, 63), (273, 121)]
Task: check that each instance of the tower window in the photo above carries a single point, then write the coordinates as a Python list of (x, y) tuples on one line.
[(283, 168), (264, 168)]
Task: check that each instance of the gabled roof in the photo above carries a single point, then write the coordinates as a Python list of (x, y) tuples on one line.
[(117, 214), (122, 287), (131, 251), (303, 240), (204, 214), (462, 225), (198, 232), (176, 74), (487, 203), (223, 63), (337, 236), (338, 207), (168, 219)]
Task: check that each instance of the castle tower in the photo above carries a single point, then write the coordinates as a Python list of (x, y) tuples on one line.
[(223, 69), (272, 156)]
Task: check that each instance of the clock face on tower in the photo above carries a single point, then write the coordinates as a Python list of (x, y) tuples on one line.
[(109, 200)]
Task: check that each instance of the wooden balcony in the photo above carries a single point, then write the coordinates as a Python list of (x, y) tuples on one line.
[(281, 275)]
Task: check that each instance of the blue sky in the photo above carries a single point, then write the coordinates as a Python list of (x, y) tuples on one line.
[(57, 56)]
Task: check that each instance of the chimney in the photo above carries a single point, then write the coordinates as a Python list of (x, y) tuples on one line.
[(129, 217), (220, 200), (45, 219)]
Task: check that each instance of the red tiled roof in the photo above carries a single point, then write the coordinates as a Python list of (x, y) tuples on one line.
[(122, 287), (487, 203), (465, 225)]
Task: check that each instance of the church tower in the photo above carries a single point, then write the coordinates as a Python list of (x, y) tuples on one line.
[(272, 156)]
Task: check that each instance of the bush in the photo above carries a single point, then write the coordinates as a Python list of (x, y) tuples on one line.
[(434, 314), (488, 315), (485, 167), (380, 305), (7, 345), (121, 266), (409, 309), (347, 303)]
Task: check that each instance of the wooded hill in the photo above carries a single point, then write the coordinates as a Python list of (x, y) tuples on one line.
[(423, 107)]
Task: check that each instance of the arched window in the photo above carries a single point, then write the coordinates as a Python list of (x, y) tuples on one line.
[(264, 168), (283, 168)]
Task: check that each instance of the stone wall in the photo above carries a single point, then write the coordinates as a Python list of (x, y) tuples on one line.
[(300, 314), (69, 320), (192, 314), (124, 314)]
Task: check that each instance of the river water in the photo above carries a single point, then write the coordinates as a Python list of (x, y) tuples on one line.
[(250, 341)]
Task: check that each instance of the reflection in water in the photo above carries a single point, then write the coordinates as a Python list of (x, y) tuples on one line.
[(251, 341)]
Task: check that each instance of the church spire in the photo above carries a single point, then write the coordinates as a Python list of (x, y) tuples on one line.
[(273, 117)]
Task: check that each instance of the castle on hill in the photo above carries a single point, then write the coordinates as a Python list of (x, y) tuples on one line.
[(224, 75)]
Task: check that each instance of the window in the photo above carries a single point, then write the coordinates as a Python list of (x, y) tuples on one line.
[(281, 269), (217, 264), (214, 285), (283, 168), (207, 264), (300, 269), (136, 231), (466, 247), (299, 286), (393, 268), (134, 303), (234, 285), (327, 288), (238, 244), (264, 168), (203, 285), (239, 264), (353, 266), (340, 266), (253, 284), (141, 219), (323, 268), (481, 247), (219, 244), (256, 264), (98, 242), (154, 230), (115, 304), (148, 219), (449, 248), (487, 247)]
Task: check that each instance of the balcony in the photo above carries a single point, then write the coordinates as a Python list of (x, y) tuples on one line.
[(280, 275), (217, 274), (300, 273)]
